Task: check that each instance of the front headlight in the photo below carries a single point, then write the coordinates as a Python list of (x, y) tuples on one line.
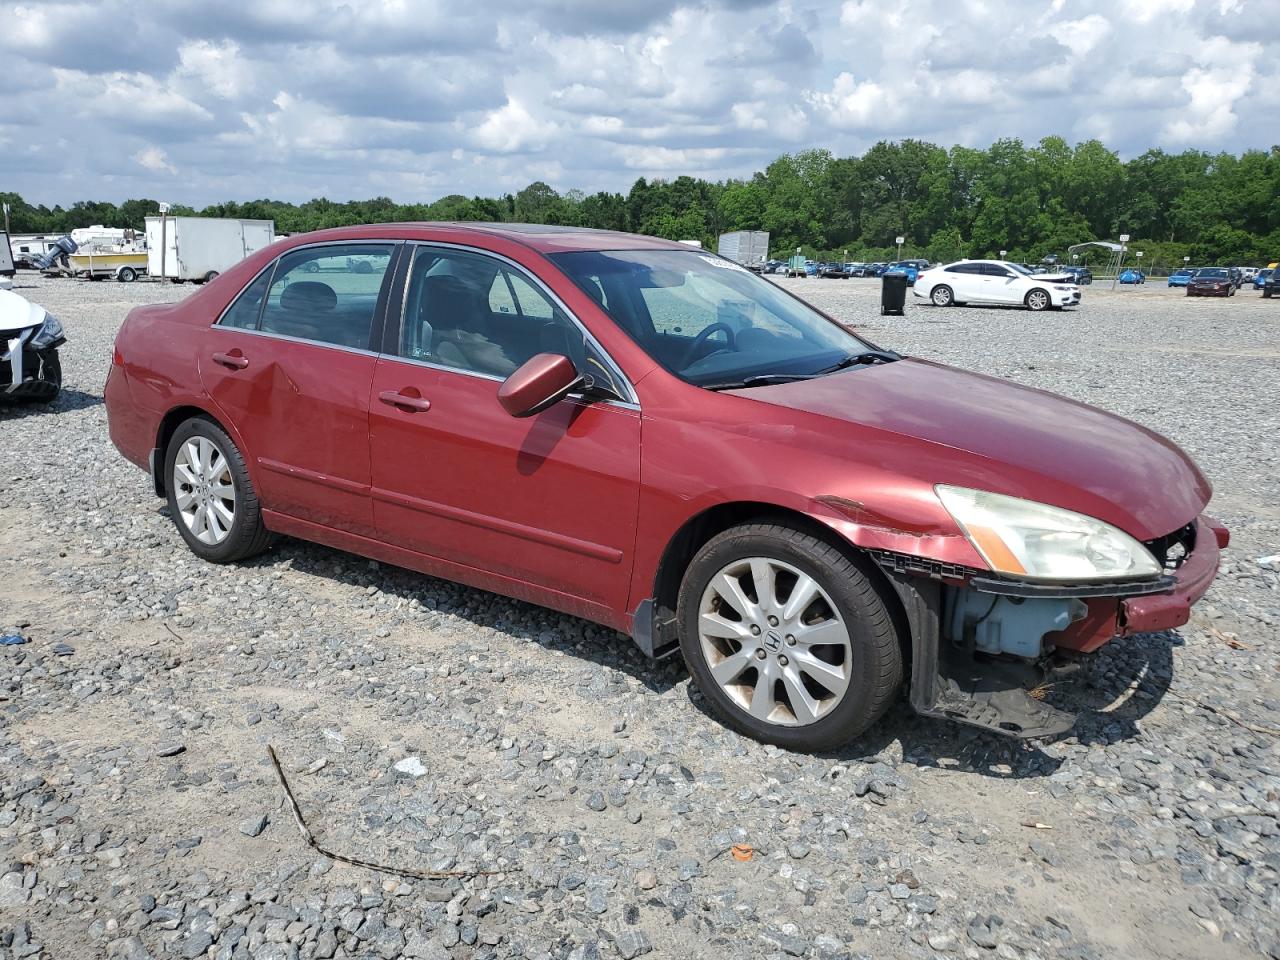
[(1023, 538), (50, 334)]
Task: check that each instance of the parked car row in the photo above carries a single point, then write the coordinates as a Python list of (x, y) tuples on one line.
[(835, 269)]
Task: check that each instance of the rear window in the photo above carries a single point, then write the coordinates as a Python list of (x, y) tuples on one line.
[(327, 294)]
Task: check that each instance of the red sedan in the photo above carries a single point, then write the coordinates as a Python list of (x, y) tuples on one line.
[(651, 437)]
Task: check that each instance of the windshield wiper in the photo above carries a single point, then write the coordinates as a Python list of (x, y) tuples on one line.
[(765, 379), (853, 360), (760, 380)]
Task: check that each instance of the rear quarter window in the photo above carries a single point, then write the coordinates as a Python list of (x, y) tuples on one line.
[(247, 307)]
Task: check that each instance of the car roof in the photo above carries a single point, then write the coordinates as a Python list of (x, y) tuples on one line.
[(544, 238)]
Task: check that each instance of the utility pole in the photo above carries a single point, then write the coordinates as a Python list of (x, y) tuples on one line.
[(164, 211)]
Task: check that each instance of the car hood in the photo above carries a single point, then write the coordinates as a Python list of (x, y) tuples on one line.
[(1054, 277), (19, 313), (1002, 437)]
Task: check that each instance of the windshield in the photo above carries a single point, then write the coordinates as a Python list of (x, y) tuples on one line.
[(706, 319), (1212, 273), (1020, 268)]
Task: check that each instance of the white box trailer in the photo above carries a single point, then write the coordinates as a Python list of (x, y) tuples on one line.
[(200, 248), (747, 247), (7, 268)]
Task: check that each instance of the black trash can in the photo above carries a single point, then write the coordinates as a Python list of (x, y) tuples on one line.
[(893, 294)]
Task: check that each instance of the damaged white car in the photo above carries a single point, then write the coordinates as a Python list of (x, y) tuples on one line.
[(29, 341)]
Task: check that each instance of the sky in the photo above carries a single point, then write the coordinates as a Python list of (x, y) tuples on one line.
[(193, 101)]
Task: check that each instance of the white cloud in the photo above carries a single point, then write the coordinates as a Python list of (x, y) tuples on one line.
[(126, 97), (155, 160), (217, 66), (512, 128)]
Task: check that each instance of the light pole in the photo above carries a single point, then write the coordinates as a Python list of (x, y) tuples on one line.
[(1124, 240), (899, 241), (164, 211), (1002, 253)]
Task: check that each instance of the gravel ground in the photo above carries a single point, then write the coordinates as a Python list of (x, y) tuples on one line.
[(432, 727)]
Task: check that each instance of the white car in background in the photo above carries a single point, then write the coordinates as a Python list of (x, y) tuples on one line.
[(995, 281)]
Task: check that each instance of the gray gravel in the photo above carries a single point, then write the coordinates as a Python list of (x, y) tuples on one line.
[(140, 816)]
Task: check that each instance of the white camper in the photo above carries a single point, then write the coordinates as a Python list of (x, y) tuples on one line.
[(200, 248)]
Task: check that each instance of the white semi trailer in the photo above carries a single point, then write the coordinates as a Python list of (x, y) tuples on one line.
[(750, 248), (200, 248)]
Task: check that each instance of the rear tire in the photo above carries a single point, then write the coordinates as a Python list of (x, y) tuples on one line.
[(211, 498), (127, 275), (942, 296), (1038, 300), (851, 638)]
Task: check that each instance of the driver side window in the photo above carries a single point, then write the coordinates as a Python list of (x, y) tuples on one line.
[(479, 315)]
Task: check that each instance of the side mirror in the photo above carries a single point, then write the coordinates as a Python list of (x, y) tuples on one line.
[(543, 380)]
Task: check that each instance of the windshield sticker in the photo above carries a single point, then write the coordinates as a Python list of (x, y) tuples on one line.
[(724, 264)]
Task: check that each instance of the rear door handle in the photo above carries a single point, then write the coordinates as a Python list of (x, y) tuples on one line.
[(404, 401), (234, 361)]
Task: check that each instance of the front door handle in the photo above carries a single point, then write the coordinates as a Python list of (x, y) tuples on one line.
[(404, 401), (235, 361)]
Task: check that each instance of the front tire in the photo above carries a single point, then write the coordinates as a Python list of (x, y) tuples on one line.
[(942, 296), (1038, 300), (787, 637), (211, 499)]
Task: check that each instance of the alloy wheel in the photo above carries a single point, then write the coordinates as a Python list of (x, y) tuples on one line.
[(774, 641), (1037, 300), (204, 490)]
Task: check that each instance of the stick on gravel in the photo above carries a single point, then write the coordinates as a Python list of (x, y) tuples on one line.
[(382, 868)]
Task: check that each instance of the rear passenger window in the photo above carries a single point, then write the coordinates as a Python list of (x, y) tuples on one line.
[(327, 294), (243, 314)]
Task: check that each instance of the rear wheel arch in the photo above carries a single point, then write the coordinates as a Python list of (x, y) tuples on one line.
[(698, 530), (169, 424)]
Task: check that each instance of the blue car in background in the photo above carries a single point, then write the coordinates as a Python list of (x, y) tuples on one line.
[(1260, 279), (810, 268), (911, 268), (1180, 278), (1130, 275)]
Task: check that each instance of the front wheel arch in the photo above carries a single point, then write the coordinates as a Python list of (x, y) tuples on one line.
[(699, 529), (1029, 302)]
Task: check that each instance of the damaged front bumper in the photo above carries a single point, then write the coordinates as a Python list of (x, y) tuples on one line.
[(25, 371), (981, 643)]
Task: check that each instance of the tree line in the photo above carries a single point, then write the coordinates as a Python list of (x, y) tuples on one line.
[(1030, 201)]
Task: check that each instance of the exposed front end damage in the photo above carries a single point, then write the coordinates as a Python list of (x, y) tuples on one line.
[(983, 644), (29, 342)]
